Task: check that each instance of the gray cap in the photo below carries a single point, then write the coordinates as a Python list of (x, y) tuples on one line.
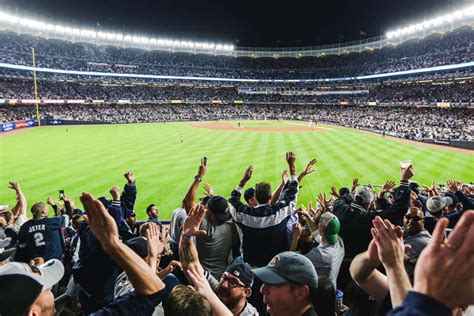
[(436, 204), (287, 267), (24, 286), (366, 194)]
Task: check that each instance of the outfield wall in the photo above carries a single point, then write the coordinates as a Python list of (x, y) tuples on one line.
[(9, 126)]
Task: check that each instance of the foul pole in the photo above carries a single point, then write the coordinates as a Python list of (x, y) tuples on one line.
[(36, 87)]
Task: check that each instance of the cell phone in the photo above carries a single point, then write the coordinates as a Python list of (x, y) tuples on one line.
[(61, 194), (204, 161)]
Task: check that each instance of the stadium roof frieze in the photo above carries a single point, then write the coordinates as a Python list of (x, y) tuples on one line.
[(437, 25)]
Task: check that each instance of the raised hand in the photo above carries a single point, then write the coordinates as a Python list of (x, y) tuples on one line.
[(50, 201), (388, 186), (444, 269), (115, 193), (406, 173), (389, 242), (310, 167), (284, 176), (334, 192), (324, 202), (193, 222), (290, 159), (247, 174), (14, 186), (129, 176), (156, 240), (202, 169), (453, 186), (208, 189), (101, 223), (297, 230), (355, 184)]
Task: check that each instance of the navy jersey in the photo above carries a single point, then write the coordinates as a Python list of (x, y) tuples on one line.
[(40, 238)]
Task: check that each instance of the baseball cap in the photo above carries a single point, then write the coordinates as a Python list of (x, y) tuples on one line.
[(131, 214), (436, 203), (24, 286), (366, 194), (286, 267), (220, 207), (248, 194), (331, 227), (241, 270), (139, 245)]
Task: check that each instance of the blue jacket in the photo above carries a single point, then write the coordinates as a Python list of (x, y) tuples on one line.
[(263, 227)]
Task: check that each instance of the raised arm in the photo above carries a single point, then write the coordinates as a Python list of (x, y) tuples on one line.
[(364, 272), (187, 249), (129, 194), (277, 193), (102, 225), (389, 241), (190, 197), (307, 170), (156, 242), (19, 210), (237, 192)]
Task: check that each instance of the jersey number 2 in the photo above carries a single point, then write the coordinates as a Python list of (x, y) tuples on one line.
[(39, 239)]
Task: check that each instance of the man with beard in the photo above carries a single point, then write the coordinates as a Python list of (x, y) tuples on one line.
[(235, 284)]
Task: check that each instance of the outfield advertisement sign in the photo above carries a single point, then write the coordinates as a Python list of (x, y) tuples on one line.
[(8, 126)]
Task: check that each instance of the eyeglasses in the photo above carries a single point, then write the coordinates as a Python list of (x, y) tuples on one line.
[(231, 283), (414, 218)]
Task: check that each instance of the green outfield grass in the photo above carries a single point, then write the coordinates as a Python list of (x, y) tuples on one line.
[(93, 158)]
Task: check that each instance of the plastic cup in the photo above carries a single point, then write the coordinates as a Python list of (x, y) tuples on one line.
[(405, 164)]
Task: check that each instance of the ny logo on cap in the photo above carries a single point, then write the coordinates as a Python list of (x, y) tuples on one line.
[(237, 273), (274, 261)]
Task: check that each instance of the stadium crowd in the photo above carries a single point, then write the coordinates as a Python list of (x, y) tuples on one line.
[(441, 49), (406, 122), (404, 250)]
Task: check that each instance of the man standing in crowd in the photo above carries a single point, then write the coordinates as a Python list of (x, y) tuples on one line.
[(235, 284), (328, 255), (222, 240), (264, 226), (40, 236)]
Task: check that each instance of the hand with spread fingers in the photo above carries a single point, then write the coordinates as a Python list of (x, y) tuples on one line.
[(193, 222), (444, 269), (453, 186), (324, 202), (334, 192), (208, 189), (388, 186), (389, 241)]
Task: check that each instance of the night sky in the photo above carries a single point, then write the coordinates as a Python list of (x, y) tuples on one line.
[(256, 23)]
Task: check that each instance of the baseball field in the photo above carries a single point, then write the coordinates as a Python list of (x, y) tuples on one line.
[(93, 158)]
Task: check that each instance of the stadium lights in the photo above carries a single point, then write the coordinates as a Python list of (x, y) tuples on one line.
[(434, 22), (118, 38)]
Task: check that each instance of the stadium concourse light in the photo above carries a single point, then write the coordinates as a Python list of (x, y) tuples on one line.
[(432, 23), (18, 22)]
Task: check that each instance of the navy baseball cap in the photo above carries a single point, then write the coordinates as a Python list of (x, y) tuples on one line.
[(139, 245), (131, 214), (241, 270), (220, 207), (287, 267)]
